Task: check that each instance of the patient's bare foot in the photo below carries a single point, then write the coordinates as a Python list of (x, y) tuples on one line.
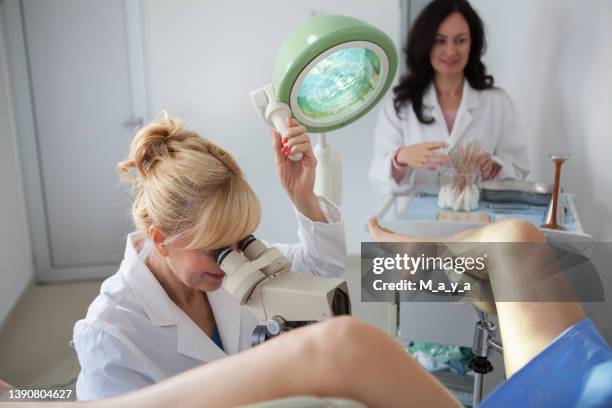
[(381, 234), (377, 232)]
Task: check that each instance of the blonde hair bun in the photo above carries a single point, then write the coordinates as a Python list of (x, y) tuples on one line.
[(188, 186)]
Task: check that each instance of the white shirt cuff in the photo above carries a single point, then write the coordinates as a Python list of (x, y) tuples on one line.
[(332, 213)]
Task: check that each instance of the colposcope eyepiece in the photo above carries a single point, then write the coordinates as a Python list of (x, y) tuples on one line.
[(222, 254), (242, 245), (244, 242)]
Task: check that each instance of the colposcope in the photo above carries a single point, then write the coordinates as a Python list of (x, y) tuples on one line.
[(260, 278)]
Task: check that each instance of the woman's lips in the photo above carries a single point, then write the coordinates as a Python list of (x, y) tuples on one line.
[(215, 276), (450, 63)]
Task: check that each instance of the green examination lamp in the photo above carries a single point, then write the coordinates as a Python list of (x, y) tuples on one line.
[(329, 72)]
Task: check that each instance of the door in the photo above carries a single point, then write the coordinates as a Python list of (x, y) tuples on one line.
[(84, 61)]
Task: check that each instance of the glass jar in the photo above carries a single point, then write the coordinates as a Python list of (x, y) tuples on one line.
[(458, 190)]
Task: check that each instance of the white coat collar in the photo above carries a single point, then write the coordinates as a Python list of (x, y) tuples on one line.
[(146, 288), (223, 304), (160, 309), (469, 100)]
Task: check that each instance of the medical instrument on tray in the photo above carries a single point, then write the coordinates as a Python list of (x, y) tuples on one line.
[(516, 191), (551, 219)]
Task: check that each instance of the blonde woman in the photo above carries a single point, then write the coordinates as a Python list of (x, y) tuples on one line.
[(162, 313)]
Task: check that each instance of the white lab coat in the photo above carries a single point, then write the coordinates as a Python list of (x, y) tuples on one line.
[(134, 335), (488, 116)]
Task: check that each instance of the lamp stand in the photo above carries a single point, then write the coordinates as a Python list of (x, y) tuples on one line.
[(328, 179)]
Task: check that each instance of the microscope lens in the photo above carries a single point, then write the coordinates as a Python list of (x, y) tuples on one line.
[(222, 253), (244, 243)]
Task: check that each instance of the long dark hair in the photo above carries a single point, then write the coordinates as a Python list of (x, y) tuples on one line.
[(415, 82)]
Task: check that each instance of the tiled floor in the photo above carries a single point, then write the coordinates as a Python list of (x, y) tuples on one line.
[(34, 350)]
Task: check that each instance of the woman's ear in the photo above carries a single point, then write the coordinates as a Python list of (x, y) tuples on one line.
[(158, 238)]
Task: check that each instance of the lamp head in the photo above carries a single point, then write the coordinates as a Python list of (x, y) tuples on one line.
[(332, 70)]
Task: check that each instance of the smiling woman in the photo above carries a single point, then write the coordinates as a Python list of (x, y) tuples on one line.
[(163, 312), (446, 97)]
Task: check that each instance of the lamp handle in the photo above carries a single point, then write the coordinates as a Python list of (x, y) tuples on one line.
[(277, 115)]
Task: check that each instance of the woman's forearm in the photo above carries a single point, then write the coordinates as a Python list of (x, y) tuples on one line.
[(310, 208)]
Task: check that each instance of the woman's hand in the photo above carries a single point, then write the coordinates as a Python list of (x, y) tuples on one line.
[(424, 156), (489, 168), (297, 177)]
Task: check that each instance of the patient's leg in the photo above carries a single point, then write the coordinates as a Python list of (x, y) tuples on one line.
[(526, 327), (338, 358), (381, 234)]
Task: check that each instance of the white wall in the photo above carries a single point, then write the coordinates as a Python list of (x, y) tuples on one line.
[(16, 269), (554, 57), (203, 59)]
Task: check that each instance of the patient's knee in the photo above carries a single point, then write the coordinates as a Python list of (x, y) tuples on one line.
[(345, 330), (336, 335), (348, 344)]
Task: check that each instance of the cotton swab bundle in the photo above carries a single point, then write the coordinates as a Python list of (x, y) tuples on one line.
[(459, 190)]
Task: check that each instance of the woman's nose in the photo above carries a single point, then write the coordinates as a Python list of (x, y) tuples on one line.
[(450, 50)]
